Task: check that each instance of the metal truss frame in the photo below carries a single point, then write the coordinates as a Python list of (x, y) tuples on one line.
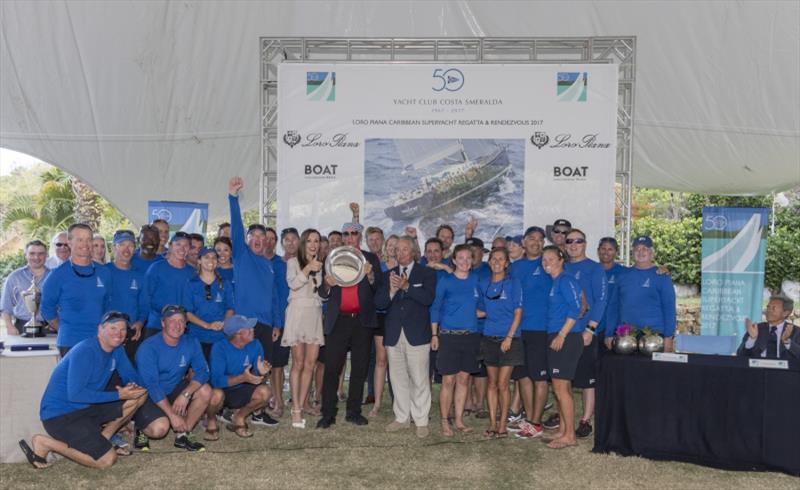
[(620, 50)]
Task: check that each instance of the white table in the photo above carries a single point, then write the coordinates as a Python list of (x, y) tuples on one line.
[(23, 379)]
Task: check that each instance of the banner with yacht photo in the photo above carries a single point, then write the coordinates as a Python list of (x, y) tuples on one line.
[(424, 144)]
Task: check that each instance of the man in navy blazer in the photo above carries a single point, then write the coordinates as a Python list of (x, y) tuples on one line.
[(349, 323), (407, 292), (775, 338)]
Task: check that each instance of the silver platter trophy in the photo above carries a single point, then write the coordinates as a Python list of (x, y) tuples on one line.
[(346, 265), (32, 298)]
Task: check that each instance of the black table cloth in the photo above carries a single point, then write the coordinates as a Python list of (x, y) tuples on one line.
[(713, 411)]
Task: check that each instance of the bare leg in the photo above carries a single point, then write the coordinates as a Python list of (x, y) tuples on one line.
[(257, 401), (503, 380), (540, 400), (198, 406), (516, 400), (525, 388), (481, 385), (491, 396), (128, 409), (566, 409), (214, 406), (462, 385), (309, 361), (445, 400), (379, 377), (43, 445), (298, 362), (588, 404), (276, 379)]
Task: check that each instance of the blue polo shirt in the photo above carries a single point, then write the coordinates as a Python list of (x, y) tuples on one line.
[(208, 304), (78, 296), (647, 299), (611, 317), (80, 379), (592, 279), (536, 284), (456, 303), (137, 262), (127, 293), (162, 367), (228, 360), (564, 301), (499, 311)]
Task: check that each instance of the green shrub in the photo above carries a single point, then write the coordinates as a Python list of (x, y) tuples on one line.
[(783, 258), (677, 245), (10, 262)]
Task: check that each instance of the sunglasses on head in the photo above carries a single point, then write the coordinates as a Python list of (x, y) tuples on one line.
[(172, 309), (570, 241), (113, 316)]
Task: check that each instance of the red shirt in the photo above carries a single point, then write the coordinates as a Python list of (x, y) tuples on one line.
[(349, 302)]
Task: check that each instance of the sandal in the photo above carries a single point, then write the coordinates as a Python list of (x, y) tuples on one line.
[(465, 430), (490, 434), (211, 435), (239, 430), (313, 411), (502, 435), (446, 430), (301, 424), (34, 459), (555, 444)]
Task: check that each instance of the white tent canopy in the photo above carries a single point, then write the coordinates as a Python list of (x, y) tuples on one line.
[(160, 100)]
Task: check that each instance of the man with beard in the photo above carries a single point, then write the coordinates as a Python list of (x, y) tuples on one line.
[(147, 254)]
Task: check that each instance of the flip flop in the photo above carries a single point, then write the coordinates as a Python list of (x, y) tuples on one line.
[(490, 434), (502, 435), (559, 445), (211, 435), (465, 430), (239, 430), (33, 458)]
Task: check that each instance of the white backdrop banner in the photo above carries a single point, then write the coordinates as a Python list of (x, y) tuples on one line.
[(425, 144)]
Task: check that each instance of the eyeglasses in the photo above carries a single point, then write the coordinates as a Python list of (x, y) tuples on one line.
[(349, 233), (61, 245), (570, 241), (81, 274), (498, 295), (170, 310), (114, 315), (208, 292), (561, 232)]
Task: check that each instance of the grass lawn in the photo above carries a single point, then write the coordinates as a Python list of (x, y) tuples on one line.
[(366, 457)]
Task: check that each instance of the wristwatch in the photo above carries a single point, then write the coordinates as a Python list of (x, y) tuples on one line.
[(187, 395)]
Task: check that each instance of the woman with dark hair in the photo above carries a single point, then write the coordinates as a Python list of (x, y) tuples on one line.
[(303, 327), (564, 337), (208, 299), (224, 249), (500, 302)]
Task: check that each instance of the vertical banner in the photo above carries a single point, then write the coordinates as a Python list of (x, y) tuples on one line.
[(191, 217), (425, 144), (734, 252)]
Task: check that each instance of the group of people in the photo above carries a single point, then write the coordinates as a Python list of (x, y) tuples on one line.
[(174, 332)]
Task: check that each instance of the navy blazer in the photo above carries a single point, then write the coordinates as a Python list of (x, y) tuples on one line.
[(366, 297), (792, 352), (408, 311)]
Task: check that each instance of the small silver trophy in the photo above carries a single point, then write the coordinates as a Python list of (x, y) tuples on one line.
[(32, 298)]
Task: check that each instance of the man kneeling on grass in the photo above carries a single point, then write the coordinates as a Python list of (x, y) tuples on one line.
[(238, 369), (77, 410), (176, 399)]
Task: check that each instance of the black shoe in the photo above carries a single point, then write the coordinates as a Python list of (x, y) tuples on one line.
[(141, 442), (186, 441), (326, 422), (356, 419), (584, 429), (226, 416), (264, 419), (552, 422)]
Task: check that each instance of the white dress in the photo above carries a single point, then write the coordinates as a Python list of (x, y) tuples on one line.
[(304, 313)]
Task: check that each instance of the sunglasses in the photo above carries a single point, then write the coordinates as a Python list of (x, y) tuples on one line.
[(498, 295), (350, 233), (61, 245), (113, 316), (561, 232), (170, 310), (208, 292), (570, 241)]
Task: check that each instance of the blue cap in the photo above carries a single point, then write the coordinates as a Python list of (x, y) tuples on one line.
[(179, 235), (643, 240), (535, 229), (515, 238), (236, 323), (206, 250), (123, 235)]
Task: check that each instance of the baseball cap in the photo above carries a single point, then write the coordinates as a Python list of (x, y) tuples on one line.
[(236, 323), (169, 310), (206, 250), (114, 316), (643, 240), (123, 235), (476, 242), (350, 226), (562, 222), (534, 229), (179, 235), (514, 238), (610, 240)]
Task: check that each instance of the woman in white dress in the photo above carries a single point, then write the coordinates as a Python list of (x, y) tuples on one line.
[(303, 329)]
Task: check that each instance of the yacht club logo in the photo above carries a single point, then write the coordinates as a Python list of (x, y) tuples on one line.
[(539, 139), (291, 138)]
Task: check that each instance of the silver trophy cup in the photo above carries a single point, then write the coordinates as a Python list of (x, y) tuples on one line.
[(32, 299)]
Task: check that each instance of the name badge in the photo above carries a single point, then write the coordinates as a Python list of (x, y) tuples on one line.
[(670, 357), (769, 364), (419, 285)]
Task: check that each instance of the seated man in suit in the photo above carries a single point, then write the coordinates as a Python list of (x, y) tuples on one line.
[(776, 338), (407, 292)]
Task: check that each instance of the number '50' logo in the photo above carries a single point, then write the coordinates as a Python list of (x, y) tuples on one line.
[(718, 222), (451, 80)]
